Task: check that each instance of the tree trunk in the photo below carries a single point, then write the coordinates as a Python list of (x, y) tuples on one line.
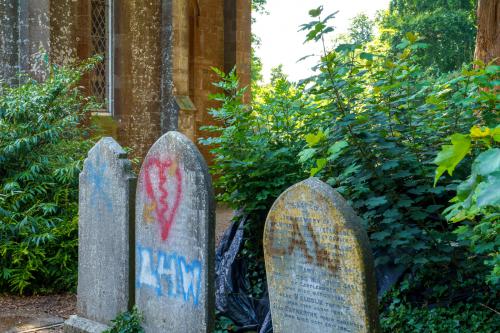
[(488, 31)]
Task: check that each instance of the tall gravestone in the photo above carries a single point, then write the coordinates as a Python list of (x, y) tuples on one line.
[(318, 262), (175, 238), (105, 231)]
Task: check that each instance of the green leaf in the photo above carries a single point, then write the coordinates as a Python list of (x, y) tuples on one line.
[(381, 235), (336, 149), (488, 192), (345, 48), (484, 247), (316, 12), (450, 155), (390, 165), (314, 139), (404, 44), (487, 162), (353, 168), (411, 37), (492, 69), (421, 261), (376, 201), (496, 131), (306, 154), (434, 100), (466, 187), (366, 56), (320, 165), (419, 46)]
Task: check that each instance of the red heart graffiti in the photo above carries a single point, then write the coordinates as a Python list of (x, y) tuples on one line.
[(165, 214)]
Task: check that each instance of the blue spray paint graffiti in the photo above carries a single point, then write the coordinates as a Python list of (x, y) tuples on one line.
[(183, 279), (96, 175)]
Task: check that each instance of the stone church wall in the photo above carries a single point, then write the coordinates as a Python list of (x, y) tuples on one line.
[(162, 54)]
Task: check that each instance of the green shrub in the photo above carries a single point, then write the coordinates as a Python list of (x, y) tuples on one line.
[(476, 207), (224, 324), (127, 322), (255, 149), (387, 118), (448, 26), (426, 303), (42, 147), (370, 125), (457, 318)]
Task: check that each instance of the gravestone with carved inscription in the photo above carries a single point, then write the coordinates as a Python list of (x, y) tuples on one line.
[(319, 264), (105, 229), (175, 228)]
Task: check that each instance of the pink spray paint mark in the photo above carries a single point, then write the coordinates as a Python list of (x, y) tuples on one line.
[(164, 213)]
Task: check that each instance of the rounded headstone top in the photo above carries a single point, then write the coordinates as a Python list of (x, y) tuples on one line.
[(109, 144), (178, 145), (318, 263), (110, 156)]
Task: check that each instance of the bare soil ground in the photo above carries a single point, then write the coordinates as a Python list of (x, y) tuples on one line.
[(224, 216), (27, 314)]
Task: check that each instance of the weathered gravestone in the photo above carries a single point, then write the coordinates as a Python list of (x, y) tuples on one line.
[(175, 239), (105, 231), (318, 261)]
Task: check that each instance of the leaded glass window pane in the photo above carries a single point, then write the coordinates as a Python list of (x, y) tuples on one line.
[(99, 40)]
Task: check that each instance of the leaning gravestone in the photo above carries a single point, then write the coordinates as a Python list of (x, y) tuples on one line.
[(175, 239), (105, 230), (318, 262)]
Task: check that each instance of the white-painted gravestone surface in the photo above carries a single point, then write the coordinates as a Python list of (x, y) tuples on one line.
[(318, 263), (105, 228), (175, 238)]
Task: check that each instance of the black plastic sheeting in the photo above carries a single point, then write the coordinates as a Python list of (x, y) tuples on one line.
[(233, 289), (387, 276)]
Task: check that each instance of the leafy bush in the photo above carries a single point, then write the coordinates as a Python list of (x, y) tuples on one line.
[(425, 303), (370, 125), (255, 149), (42, 146), (447, 26), (224, 324), (477, 203), (127, 322), (387, 116), (458, 318)]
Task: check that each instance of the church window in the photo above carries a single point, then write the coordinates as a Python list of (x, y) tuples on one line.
[(101, 81)]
